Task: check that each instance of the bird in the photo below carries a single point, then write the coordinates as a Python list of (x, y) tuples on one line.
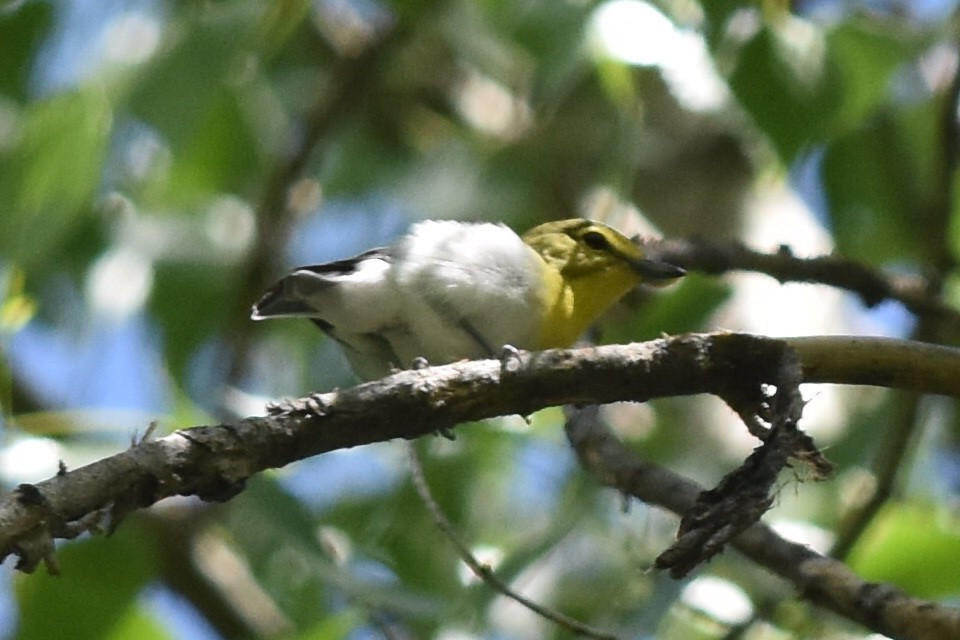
[(453, 290)]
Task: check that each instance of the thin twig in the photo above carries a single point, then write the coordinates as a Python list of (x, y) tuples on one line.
[(886, 468), (483, 571), (934, 328), (351, 79)]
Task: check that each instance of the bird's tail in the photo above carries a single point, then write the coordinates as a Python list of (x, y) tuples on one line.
[(283, 299)]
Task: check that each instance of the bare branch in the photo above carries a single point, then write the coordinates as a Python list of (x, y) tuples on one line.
[(872, 286), (819, 579), (213, 462)]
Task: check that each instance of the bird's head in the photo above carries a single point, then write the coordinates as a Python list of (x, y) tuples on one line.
[(587, 267), (580, 248)]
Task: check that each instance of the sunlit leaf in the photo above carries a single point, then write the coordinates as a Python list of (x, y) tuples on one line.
[(913, 545), (138, 624), (338, 626), (16, 307)]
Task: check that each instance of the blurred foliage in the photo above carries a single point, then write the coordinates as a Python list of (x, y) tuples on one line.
[(917, 559), (161, 162), (104, 589)]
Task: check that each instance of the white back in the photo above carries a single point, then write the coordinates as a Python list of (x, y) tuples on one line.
[(453, 277)]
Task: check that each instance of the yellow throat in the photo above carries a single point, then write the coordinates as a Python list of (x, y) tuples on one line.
[(587, 267)]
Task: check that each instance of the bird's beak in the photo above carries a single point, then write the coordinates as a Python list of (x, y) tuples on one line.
[(656, 271)]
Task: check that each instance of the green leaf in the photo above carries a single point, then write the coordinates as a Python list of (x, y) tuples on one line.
[(219, 157), (800, 92), (790, 95), (16, 307), (48, 180), (279, 540), (335, 627), (618, 81), (138, 624), (176, 93), (684, 623), (878, 179), (913, 545), (363, 159), (676, 309), (560, 44), (99, 582), (280, 20), (865, 56), (718, 14), (21, 33), (192, 303)]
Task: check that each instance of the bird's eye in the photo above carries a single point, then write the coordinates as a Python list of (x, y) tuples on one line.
[(595, 240)]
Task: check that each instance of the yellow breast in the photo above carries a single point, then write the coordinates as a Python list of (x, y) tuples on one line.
[(571, 304)]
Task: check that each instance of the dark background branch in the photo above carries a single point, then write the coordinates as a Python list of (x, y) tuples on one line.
[(715, 257), (826, 582)]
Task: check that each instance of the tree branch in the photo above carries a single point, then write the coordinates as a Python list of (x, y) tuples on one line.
[(715, 257), (819, 579), (213, 462)]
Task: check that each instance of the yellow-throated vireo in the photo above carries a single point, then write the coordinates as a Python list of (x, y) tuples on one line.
[(456, 290)]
